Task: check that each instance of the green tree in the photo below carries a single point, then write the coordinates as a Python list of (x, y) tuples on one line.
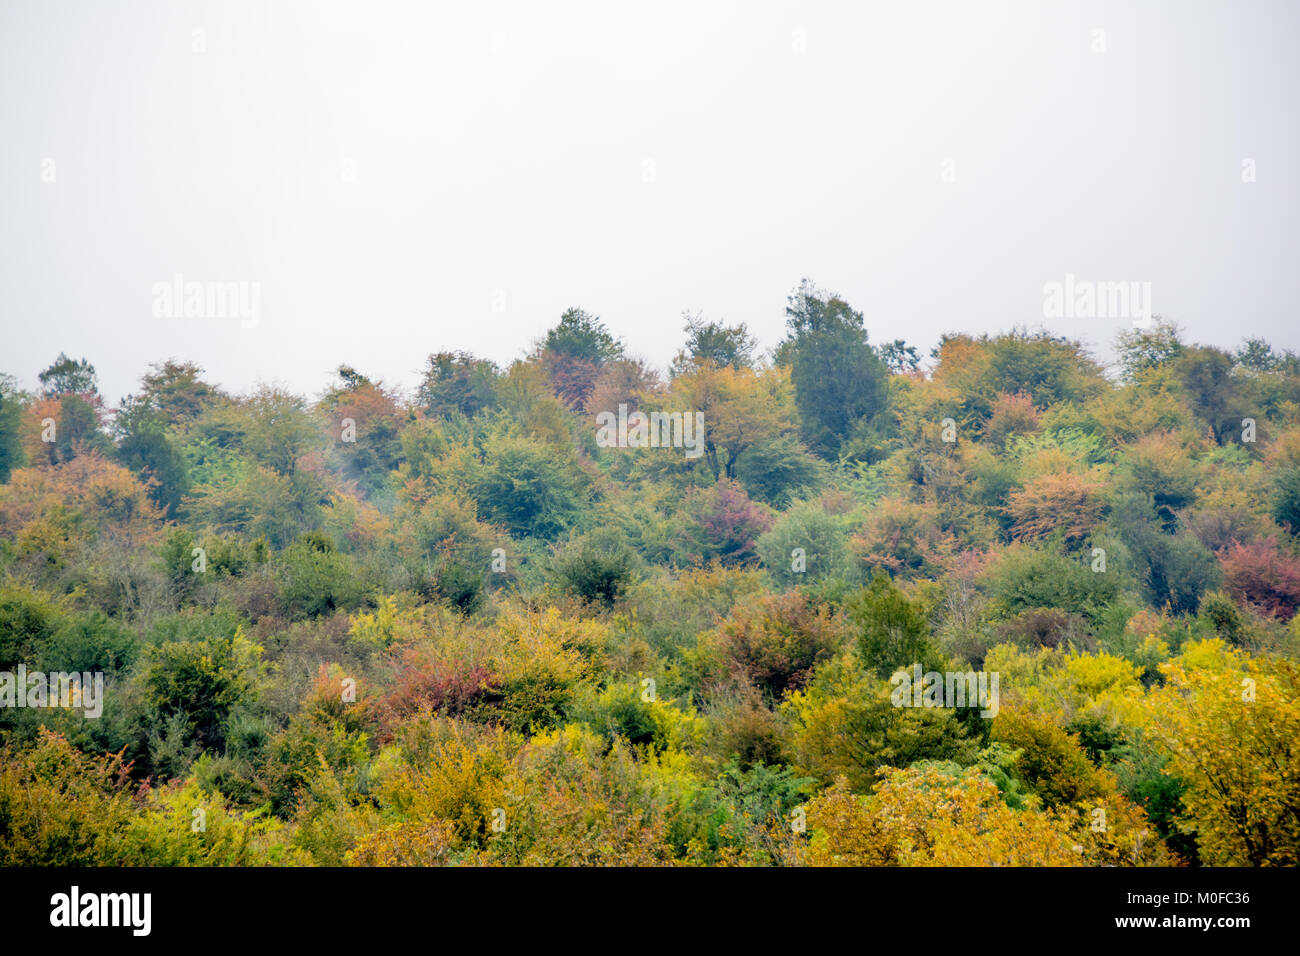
[(316, 580), (12, 454), (78, 431), (1256, 355), (806, 545), (893, 632), (1029, 578), (1215, 395), (147, 451), (527, 487), (1286, 496), (838, 378), (173, 393), (1049, 368), (68, 377), (716, 343), (598, 566), (201, 683), (583, 336), (1141, 350), (1174, 570), (457, 383)]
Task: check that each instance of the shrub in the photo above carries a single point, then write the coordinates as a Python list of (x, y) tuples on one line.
[(723, 524), (315, 579), (527, 487), (598, 566), (821, 537), (893, 631), (773, 642), (200, 683), (1263, 576), (60, 807), (1024, 578)]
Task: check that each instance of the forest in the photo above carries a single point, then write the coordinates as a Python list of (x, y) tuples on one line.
[(581, 610)]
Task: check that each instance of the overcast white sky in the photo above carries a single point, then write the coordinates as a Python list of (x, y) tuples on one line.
[(636, 159)]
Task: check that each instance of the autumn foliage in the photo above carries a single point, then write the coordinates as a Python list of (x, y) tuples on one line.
[(450, 627)]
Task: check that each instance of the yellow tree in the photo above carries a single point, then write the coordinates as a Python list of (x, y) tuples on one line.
[(924, 816), (741, 407), (1229, 724)]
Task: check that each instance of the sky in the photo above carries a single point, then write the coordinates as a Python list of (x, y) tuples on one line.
[(390, 179)]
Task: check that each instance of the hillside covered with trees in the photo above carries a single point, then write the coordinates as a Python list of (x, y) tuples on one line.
[(453, 627)]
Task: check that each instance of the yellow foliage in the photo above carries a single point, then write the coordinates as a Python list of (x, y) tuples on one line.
[(923, 816), (1229, 724)]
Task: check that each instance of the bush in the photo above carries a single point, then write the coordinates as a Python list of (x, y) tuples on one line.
[(773, 642), (1025, 579), (201, 683), (723, 524), (527, 487), (27, 621), (315, 579), (893, 631), (60, 807), (90, 642), (823, 539), (597, 567), (1262, 576), (451, 551)]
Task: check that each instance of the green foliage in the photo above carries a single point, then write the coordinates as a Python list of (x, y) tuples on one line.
[(597, 566), (716, 343), (893, 632), (1141, 350), (838, 378), (316, 579), (12, 454), (77, 430), (822, 538), (453, 552), (457, 384), (527, 487), (1027, 578), (1174, 570), (778, 471), (200, 683), (89, 642), (845, 724), (1049, 760), (67, 376), (1049, 369), (148, 452), (1286, 496), (581, 335), (28, 621), (1215, 395)]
